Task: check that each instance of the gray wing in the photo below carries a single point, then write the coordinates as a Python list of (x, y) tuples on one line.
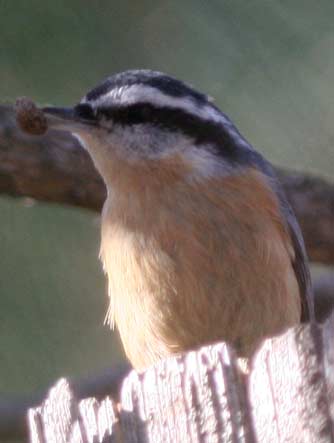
[(300, 266), (300, 261)]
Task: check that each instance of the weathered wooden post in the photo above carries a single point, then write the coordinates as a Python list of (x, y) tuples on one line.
[(204, 396)]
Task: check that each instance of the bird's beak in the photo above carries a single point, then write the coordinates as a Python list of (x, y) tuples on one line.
[(65, 119), (62, 118), (61, 113)]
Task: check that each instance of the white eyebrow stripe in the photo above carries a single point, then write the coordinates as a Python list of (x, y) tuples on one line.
[(129, 95)]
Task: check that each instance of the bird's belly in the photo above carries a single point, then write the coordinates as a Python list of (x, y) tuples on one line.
[(167, 299)]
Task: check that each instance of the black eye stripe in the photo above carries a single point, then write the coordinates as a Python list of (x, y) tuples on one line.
[(172, 119), (130, 115), (140, 113)]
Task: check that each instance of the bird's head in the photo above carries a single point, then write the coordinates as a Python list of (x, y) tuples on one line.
[(143, 124)]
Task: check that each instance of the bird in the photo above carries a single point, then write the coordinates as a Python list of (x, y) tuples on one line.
[(198, 241)]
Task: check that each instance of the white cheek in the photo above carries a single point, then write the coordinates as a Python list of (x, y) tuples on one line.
[(141, 142)]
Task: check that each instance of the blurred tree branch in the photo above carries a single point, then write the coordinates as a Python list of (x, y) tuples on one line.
[(312, 199), (54, 168)]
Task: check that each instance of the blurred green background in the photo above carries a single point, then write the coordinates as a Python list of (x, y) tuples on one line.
[(268, 63)]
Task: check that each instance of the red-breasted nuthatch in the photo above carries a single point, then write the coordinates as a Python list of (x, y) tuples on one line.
[(198, 240)]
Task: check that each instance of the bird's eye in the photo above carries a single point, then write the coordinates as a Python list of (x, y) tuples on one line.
[(84, 111), (139, 113), (145, 112)]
